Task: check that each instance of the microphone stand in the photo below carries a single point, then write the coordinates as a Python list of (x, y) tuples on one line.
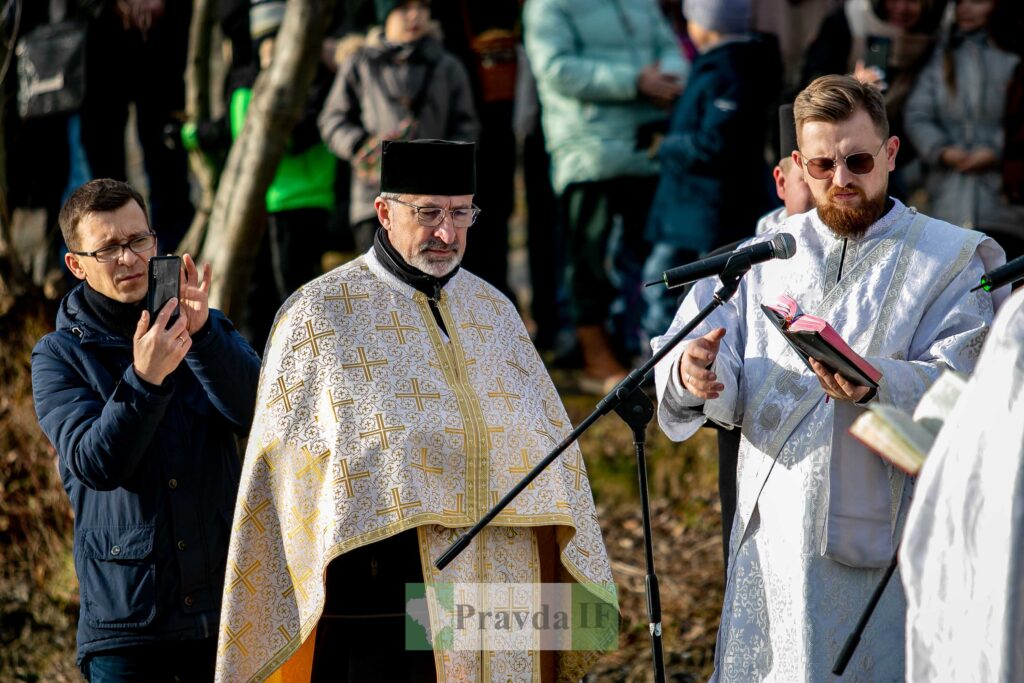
[(628, 401), (854, 639)]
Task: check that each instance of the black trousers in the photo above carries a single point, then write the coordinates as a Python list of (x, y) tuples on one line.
[(361, 635), (604, 273), (122, 68), (172, 661), (487, 243), (289, 257)]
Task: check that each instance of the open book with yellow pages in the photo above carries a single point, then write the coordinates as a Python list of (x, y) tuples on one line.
[(903, 439)]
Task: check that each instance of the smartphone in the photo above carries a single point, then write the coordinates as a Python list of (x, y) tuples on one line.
[(877, 54), (164, 283)]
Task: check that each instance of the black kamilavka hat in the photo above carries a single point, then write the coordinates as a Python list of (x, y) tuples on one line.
[(428, 167)]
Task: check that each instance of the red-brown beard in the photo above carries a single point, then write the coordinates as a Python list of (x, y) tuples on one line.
[(849, 221)]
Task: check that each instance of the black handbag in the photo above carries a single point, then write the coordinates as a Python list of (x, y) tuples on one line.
[(51, 69)]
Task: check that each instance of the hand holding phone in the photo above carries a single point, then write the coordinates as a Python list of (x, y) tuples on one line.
[(164, 284), (158, 346)]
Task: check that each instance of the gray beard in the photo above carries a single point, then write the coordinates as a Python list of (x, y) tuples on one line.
[(434, 266)]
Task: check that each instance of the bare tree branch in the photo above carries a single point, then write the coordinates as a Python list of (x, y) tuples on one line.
[(198, 108)]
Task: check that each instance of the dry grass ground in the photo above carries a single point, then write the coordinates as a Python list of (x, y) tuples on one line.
[(38, 593)]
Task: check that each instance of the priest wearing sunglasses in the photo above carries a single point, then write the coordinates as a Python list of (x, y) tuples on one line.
[(818, 516)]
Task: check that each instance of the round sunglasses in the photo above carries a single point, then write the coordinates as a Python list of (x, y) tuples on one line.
[(823, 168)]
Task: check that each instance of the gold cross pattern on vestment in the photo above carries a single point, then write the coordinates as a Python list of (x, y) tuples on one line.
[(251, 512), (364, 364), (525, 469), (398, 506), (347, 478), (235, 638), (339, 403), (312, 339), (381, 431), (457, 432), (477, 327), (298, 583), (494, 301), (346, 297), (242, 577), (517, 367), (460, 506), (577, 469), (285, 395), (305, 524), (265, 452), (504, 395), (422, 465), (416, 395), (544, 432), (495, 497), (511, 606), (313, 464), (547, 413), (397, 327)]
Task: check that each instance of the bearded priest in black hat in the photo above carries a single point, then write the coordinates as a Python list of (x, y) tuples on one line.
[(400, 398)]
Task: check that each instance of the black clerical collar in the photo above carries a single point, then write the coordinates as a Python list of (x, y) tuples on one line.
[(117, 316), (414, 277)]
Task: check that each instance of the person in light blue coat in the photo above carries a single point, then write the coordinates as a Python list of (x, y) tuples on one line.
[(607, 72)]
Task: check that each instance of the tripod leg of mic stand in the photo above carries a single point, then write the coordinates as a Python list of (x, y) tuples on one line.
[(854, 640), (637, 410)]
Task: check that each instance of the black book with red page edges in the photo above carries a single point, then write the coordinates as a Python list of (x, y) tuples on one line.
[(812, 337)]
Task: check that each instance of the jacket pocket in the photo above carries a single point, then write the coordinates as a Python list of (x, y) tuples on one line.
[(117, 574)]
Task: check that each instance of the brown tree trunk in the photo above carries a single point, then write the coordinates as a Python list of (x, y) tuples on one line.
[(198, 108), (234, 233)]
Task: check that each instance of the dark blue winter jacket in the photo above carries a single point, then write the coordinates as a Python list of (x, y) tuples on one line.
[(714, 181), (151, 471)]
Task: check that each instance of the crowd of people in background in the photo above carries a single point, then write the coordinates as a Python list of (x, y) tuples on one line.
[(644, 138)]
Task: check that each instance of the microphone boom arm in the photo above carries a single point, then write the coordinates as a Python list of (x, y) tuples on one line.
[(736, 267)]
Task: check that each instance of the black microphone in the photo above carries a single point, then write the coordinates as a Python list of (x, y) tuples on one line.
[(781, 246), (1005, 274)]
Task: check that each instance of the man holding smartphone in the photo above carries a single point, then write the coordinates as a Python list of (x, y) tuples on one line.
[(145, 442)]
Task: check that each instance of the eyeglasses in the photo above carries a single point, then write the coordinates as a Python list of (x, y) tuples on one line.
[(433, 216), (824, 168), (139, 245)]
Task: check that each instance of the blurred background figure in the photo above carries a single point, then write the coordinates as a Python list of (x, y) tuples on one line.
[(714, 181), (607, 72), (135, 55), (301, 195), (484, 36), (37, 159), (795, 23), (398, 84), (790, 186), (954, 117), (884, 42)]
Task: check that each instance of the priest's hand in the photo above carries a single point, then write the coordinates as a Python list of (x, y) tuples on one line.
[(195, 296), (837, 386), (695, 364)]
